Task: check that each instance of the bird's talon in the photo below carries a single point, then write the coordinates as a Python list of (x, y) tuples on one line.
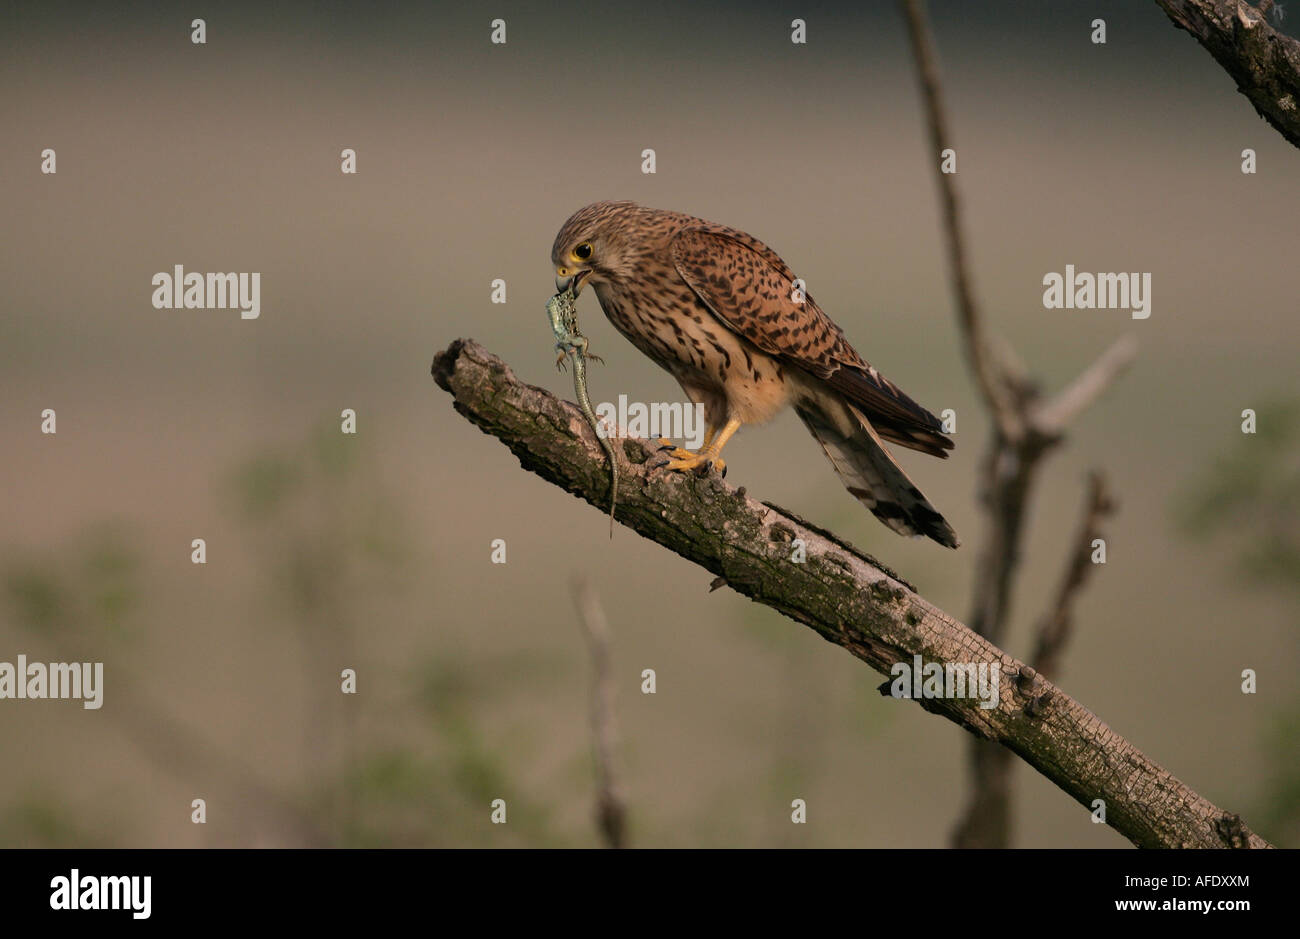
[(677, 453), (684, 461), (710, 465)]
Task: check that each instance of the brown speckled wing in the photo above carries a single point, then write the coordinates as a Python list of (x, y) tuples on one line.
[(750, 289)]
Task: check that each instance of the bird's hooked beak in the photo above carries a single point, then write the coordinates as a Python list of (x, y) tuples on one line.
[(566, 277)]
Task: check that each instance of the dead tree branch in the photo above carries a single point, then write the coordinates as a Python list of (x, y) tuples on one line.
[(1264, 63), (987, 822), (611, 811), (1054, 630), (1025, 428), (992, 385), (841, 593)]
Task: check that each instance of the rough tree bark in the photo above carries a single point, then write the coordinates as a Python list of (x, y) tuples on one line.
[(1264, 63), (847, 597)]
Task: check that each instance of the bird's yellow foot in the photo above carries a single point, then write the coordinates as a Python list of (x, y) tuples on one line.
[(684, 461)]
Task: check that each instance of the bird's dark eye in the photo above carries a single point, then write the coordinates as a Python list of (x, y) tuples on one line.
[(583, 251)]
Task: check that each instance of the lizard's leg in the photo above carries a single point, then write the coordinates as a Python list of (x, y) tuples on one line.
[(708, 457)]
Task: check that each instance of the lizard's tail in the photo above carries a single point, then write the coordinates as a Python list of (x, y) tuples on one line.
[(610, 450)]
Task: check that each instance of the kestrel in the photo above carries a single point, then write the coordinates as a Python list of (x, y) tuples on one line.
[(721, 312)]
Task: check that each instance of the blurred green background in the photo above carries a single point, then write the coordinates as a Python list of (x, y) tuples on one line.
[(373, 551)]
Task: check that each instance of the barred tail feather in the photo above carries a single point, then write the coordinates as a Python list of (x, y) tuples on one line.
[(868, 471)]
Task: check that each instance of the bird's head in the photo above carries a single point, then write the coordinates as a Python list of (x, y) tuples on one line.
[(592, 246)]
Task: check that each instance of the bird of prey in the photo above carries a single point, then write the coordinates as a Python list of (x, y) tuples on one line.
[(722, 313)]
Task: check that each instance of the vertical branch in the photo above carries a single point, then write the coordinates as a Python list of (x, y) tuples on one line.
[(991, 384), (1024, 430), (611, 812), (1054, 629)]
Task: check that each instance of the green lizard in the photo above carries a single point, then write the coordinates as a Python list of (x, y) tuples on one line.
[(563, 311)]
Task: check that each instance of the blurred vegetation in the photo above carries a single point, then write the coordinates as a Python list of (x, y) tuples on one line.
[(1248, 502), (39, 819), (333, 549), (439, 796), (326, 537), (92, 588), (84, 599), (1251, 497)]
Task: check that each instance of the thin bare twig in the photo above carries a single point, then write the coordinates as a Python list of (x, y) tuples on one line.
[(995, 391), (1054, 629), (611, 809), (1053, 416)]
